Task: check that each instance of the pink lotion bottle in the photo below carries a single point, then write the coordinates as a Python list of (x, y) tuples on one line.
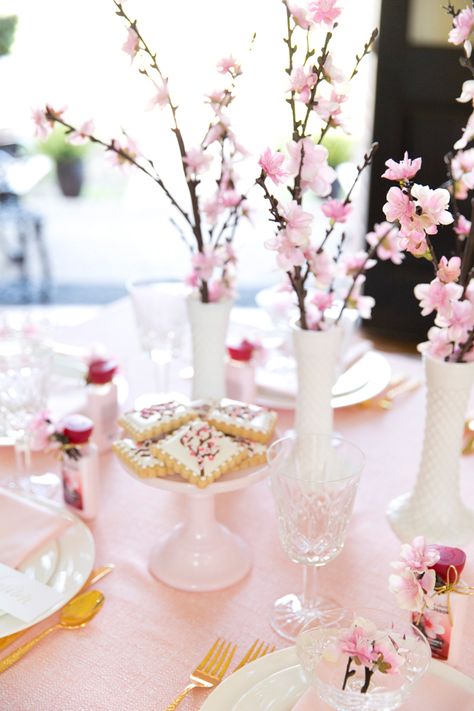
[(240, 372), (80, 467), (102, 402)]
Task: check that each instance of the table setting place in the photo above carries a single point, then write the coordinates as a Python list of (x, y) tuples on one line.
[(249, 508)]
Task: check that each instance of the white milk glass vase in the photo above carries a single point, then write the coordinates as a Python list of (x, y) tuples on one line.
[(434, 508), (317, 355), (209, 323)]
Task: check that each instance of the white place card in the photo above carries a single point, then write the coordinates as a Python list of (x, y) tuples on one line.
[(24, 597)]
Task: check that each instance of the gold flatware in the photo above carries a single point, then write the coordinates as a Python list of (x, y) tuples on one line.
[(209, 672), (96, 575), (468, 447), (255, 651), (77, 613), (400, 385)]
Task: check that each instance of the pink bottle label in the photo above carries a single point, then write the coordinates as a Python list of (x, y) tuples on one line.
[(437, 628), (72, 489)]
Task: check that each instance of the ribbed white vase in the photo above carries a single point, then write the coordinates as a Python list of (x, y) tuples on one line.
[(209, 323), (316, 354), (434, 508)]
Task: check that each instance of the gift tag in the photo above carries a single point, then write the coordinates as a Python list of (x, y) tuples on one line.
[(24, 597)]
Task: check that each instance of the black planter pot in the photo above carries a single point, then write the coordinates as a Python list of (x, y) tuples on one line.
[(70, 177)]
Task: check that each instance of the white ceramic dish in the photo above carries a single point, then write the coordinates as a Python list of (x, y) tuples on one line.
[(64, 565), (366, 379), (276, 682)]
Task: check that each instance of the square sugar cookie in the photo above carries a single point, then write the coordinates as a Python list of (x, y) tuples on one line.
[(255, 453), (242, 420), (199, 452), (139, 458), (155, 420)]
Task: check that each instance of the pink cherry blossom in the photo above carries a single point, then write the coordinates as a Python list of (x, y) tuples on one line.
[(161, 96), (43, 127), (230, 198), (331, 72), (272, 165), (462, 227), (462, 169), (387, 237), (323, 300), (298, 223), (322, 266), (385, 650), (404, 170), (336, 210), (433, 205), (352, 262), (122, 150), (204, 263), (357, 643), (449, 270), (299, 15), (467, 134), (438, 344), (324, 11), (467, 93), (418, 556), (197, 162), (329, 109), (40, 429), (463, 24), (363, 304), (132, 44), (459, 321), (82, 134), (301, 82), (316, 174), (213, 208), (398, 207), (220, 289), (229, 65), (288, 256), (432, 626), (407, 590), (437, 296)]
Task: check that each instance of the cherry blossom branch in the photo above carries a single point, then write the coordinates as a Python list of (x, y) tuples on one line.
[(367, 160), (433, 257), (297, 283), (52, 116), (368, 46), (291, 51), (468, 256), (372, 251), (272, 200), (466, 346)]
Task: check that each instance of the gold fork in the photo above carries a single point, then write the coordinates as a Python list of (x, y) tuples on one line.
[(255, 651), (209, 672)]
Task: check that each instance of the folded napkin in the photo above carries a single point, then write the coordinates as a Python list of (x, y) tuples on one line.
[(25, 526), (310, 701)]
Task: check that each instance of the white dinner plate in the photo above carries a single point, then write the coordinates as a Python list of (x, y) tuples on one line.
[(363, 381), (64, 565), (276, 682)]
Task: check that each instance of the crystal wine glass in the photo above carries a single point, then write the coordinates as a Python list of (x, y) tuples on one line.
[(314, 483), (160, 315), (25, 367), (374, 682)]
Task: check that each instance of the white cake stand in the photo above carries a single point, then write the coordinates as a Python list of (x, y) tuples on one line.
[(200, 553)]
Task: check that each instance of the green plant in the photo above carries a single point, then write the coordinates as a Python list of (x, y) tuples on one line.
[(339, 147), (60, 150), (7, 33)]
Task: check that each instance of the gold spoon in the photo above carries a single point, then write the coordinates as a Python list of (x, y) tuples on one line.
[(96, 575), (77, 613)]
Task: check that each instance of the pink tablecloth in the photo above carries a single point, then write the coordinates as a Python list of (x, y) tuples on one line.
[(138, 652)]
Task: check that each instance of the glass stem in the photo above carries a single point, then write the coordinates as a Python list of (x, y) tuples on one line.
[(162, 372), (23, 461), (309, 586)]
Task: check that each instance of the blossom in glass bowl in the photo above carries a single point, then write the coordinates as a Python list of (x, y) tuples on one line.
[(364, 660)]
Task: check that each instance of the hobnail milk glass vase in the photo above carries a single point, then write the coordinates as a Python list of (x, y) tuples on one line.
[(317, 355), (434, 508), (209, 324)]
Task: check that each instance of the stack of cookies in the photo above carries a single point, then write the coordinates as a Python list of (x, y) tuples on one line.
[(201, 442)]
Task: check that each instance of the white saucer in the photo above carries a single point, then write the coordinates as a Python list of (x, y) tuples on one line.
[(276, 682), (363, 381)]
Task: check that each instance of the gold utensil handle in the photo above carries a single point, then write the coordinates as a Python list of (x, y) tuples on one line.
[(96, 575), (174, 704), (19, 653)]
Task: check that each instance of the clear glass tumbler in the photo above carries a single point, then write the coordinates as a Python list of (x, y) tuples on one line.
[(349, 685), (314, 482), (25, 369)]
